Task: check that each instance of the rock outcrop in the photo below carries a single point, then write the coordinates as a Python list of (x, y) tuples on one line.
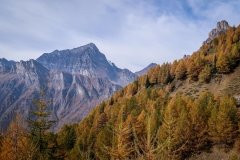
[(222, 27)]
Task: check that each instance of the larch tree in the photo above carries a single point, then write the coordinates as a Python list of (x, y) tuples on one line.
[(223, 64), (149, 141), (181, 70), (205, 74), (167, 138), (223, 122), (200, 114), (122, 147), (16, 144)]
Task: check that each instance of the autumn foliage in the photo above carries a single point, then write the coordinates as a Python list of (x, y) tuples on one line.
[(143, 121)]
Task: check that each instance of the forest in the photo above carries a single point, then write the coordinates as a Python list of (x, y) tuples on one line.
[(144, 120)]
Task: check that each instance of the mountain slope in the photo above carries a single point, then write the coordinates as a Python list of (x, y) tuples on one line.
[(175, 111)]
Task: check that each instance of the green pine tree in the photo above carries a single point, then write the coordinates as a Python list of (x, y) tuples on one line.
[(39, 127)]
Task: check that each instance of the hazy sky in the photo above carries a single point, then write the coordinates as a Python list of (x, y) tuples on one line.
[(131, 33)]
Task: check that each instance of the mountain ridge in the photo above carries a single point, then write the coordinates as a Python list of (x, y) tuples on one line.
[(73, 80), (86, 60)]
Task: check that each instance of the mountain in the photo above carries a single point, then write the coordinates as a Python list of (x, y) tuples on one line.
[(146, 69), (222, 27), (72, 95), (88, 61), (73, 82), (188, 109)]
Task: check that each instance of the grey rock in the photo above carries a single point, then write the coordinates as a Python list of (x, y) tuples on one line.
[(70, 96), (86, 60), (222, 27)]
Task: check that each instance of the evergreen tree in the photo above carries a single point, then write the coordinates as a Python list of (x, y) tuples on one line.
[(39, 126)]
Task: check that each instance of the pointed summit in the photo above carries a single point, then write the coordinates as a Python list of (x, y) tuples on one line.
[(90, 46), (83, 59), (86, 60), (221, 27)]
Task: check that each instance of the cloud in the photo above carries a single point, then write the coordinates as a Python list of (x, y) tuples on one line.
[(131, 33)]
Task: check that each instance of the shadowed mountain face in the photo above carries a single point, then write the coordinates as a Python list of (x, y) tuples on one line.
[(73, 81)]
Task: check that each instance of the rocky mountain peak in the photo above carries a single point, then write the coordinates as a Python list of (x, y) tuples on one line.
[(76, 60), (222, 27), (88, 48), (86, 60)]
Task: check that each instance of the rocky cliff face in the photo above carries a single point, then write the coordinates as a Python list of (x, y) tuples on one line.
[(222, 27), (20, 83), (71, 96)]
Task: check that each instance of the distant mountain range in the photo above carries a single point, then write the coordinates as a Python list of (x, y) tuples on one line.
[(73, 82)]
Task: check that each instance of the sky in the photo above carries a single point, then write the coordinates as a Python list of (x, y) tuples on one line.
[(131, 33)]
